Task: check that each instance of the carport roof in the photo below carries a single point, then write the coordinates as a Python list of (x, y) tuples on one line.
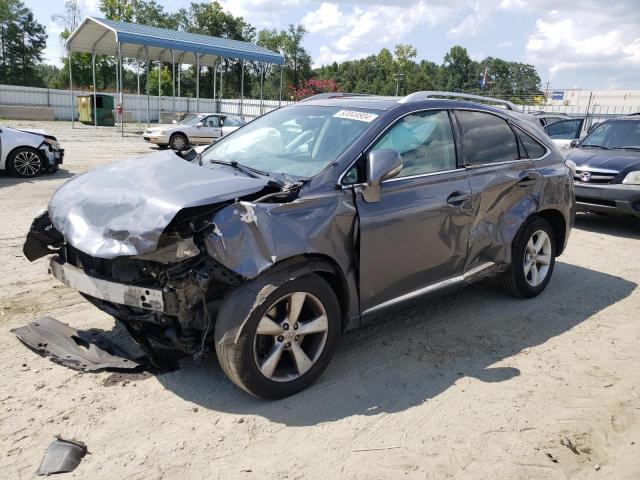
[(101, 36)]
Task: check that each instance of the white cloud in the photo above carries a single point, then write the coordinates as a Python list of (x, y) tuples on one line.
[(586, 40), (367, 28), (325, 19), (505, 44)]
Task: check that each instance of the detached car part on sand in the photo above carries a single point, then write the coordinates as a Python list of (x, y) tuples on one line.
[(311, 220)]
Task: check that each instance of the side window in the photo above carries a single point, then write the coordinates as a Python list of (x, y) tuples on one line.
[(231, 122), (355, 174), (486, 138), (532, 149), (424, 141), (564, 130), (212, 121)]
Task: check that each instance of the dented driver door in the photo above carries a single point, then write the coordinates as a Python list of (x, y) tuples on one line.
[(414, 239)]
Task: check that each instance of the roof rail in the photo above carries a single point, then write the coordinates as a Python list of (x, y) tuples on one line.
[(321, 96), (416, 96)]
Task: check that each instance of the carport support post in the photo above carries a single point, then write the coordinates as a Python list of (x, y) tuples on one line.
[(173, 80), (242, 89), (159, 84), (215, 77), (280, 94), (146, 55), (197, 83), (121, 87), (71, 85), (95, 102), (261, 86)]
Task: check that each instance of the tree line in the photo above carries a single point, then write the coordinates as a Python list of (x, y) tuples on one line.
[(23, 41)]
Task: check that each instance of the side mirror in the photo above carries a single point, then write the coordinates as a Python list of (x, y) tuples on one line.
[(574, 143), (199, 125), (381, 165)]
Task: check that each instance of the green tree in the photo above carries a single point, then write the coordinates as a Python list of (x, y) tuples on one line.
[(121, 10), (457, 70), (23, 41)]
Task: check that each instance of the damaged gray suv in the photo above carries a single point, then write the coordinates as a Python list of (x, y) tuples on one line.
[(311, 220)]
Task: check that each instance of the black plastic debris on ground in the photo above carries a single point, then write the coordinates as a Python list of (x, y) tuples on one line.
[(62, 456), (77, 349)]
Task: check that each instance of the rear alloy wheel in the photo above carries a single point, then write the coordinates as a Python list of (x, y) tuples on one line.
[(25, 162), (287, 341), (532, 259), (178, 142)]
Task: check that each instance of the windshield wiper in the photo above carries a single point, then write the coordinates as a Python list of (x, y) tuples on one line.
[(250, 171), (595, 146), (630, 147)]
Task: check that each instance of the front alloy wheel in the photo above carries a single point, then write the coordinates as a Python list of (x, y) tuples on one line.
[(25, 162), (290, 337), (287, 340)]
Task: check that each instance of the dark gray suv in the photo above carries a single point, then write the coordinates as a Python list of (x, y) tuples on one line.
[(309, 221)]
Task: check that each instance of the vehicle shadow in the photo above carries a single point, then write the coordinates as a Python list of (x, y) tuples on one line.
[(7, 180), (415, 355), (620, 226)]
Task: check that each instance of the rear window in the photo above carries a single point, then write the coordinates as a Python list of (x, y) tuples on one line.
[(532, 149), (486, 138)]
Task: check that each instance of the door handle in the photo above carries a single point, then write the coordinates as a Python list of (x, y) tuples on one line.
[(528, 179), (457, 198)]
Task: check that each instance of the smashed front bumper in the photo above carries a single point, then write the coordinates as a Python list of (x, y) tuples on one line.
[(140, 297)]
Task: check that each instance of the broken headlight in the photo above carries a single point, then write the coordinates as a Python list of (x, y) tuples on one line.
[(172, 249), (52, 143)]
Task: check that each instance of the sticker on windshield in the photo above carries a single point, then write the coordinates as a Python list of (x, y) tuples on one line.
[(355, 115)]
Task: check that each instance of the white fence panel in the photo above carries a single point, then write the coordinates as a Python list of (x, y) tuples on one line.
[(136, 105)]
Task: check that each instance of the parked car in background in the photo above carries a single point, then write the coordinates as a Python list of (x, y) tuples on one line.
[(561, 128), (27, 153), (311, 220), (606, 166), (198, 129)]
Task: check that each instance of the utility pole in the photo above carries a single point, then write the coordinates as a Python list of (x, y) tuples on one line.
[(546, 93)]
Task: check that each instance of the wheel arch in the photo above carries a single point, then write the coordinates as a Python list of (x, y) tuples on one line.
[(559, 225), (240, 301)]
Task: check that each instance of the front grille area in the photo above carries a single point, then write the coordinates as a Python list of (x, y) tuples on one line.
[(594, 176)]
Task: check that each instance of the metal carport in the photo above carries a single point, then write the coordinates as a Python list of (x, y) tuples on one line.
[(99, 36)]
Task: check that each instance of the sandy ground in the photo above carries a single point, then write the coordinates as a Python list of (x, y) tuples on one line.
[(471, 385)]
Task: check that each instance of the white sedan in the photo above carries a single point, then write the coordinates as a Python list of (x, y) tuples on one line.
[(198, 129), (26, 153)]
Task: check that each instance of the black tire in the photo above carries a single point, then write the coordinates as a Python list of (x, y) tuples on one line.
[(514, 281), (239, 361), (25, 162), (179, 142)]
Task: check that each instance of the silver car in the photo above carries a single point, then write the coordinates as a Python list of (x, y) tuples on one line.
[(26, 153), (198, 129)]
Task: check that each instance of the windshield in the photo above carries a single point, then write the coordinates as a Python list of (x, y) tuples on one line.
[(191, 121), (614, 134), (299, 141)]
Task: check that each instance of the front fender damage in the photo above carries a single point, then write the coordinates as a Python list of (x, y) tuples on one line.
[(250, 238)]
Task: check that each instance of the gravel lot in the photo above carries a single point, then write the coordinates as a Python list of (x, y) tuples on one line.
[(471, 385)]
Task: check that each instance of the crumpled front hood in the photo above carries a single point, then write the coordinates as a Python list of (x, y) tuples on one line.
[(617, 160), (122, 208)]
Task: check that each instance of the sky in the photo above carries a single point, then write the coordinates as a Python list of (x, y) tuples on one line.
[(589, 44)]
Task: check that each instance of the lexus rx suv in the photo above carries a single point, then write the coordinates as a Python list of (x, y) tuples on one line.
[(313, 219)]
